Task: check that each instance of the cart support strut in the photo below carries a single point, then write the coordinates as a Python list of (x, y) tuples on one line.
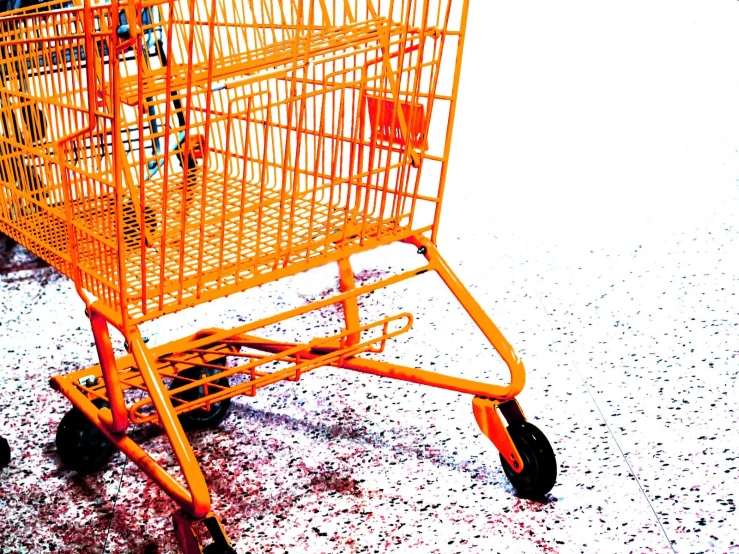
[(191, 471), (349, 304), (117, 418)]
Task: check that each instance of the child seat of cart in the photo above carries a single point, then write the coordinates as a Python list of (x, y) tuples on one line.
[(283, 46)]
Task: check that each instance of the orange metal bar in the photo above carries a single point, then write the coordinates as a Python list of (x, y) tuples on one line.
[(200, 505), (302, 356), (116, 419), (349, 304), (423, 377), (483, 321), (450, 123), (63, 147), (195, 342)]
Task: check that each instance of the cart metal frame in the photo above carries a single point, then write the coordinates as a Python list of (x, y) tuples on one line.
[(165, 153)]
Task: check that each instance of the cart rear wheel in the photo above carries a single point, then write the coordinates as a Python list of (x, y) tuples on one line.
[(80, 444), (539, 463), (200, 418)]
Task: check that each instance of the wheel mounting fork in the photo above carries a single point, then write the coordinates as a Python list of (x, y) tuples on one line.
[(493, 427), (187, 537)]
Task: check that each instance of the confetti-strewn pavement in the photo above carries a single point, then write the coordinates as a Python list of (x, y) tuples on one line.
[(597, 220)]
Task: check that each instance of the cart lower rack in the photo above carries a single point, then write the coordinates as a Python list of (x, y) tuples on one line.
[(165, 153)]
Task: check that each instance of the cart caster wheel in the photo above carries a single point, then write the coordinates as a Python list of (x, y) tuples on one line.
[(4, 452), (215, 548), (200, 418), (539, 463), (80, 444)]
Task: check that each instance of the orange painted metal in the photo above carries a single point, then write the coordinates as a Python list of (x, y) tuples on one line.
[(486, 325), (116, 418), (187, 536), (492, 426), (349, 305), (167, 419), (166, 153)]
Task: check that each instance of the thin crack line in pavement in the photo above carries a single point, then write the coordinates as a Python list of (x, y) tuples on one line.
[(613, 436), (115, 503)]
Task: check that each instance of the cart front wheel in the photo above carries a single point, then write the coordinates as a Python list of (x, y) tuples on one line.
[(200, 418), (539, 463), (80, 444), (4, 452)]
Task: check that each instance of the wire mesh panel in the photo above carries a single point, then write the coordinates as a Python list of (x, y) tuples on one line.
[(56, 155), (174, 152)]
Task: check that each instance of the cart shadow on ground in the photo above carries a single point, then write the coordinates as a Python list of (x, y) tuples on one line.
[(349, 425), (14, 259), (228, 451), (336, 425)]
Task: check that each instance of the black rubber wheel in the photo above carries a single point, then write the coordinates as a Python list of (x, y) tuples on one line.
[(81, 445), (4, 452), (201, 418), (540, 465)]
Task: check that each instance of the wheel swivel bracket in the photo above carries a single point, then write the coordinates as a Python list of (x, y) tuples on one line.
[(492, 426), (187, 537)]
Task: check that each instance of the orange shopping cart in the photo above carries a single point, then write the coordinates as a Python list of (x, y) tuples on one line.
[(166, 153)]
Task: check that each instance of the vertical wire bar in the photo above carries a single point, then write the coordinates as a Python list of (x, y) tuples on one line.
[(207, 130)]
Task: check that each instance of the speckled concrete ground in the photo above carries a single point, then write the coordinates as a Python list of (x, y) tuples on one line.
[(596, 220)]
